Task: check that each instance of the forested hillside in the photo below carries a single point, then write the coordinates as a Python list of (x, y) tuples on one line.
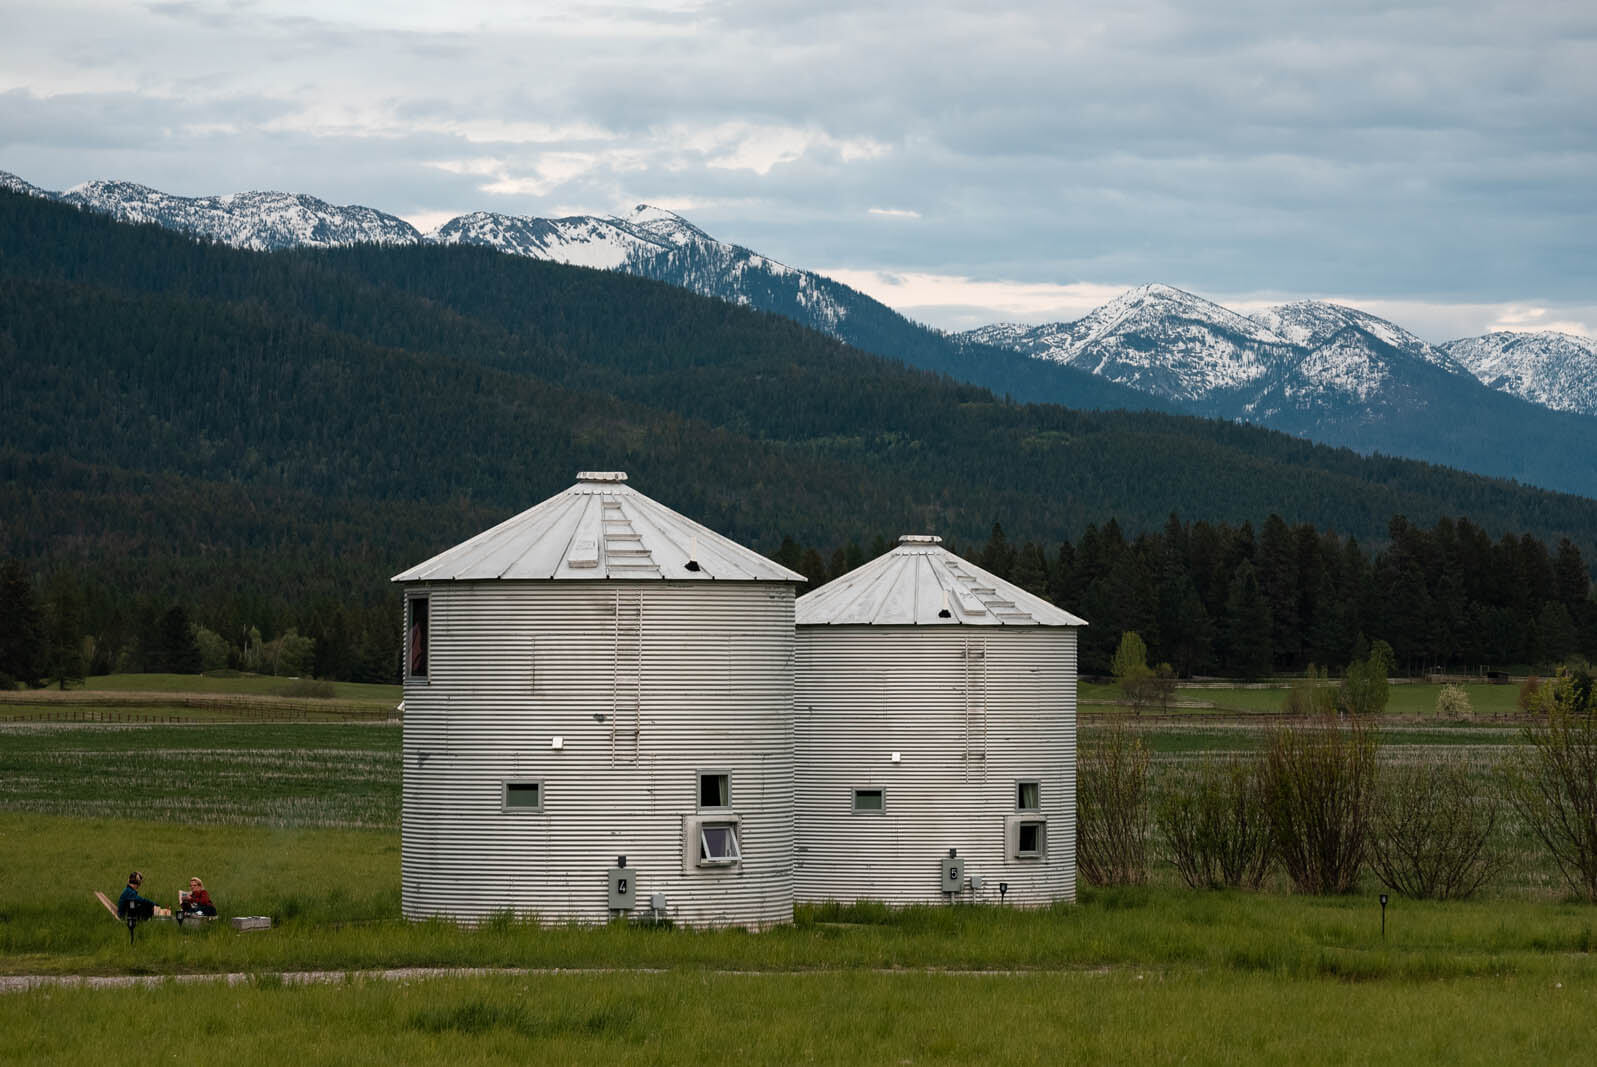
[(264, 439)]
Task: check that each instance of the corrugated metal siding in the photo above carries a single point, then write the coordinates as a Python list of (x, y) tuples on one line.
[(513, 665), (862, 693)]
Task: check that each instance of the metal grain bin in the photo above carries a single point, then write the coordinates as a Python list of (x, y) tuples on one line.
[(936, 722), (599, 677)]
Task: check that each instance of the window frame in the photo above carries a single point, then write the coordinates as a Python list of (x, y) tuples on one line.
[(508, 808), (704, 858), (880, 791), (698, 789), (1021, 851), (1020, 785), (411, 675)]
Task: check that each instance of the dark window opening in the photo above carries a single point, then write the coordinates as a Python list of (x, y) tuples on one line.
[(1030, 839), (523, 795), (872, 800), (416, 639), (715, 790)]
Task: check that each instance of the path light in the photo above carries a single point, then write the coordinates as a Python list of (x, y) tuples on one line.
[(1383, 916)]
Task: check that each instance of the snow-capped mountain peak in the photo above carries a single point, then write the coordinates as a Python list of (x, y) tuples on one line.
[(261, 221), (1556, 370), (1313, 323)]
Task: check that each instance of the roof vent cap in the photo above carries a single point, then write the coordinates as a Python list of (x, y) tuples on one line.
[(919, 539), (601, 476)]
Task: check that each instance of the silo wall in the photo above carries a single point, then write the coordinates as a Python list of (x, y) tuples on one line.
[(863, 693), (701, 670)]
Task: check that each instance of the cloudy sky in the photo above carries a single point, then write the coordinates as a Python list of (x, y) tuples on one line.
[(1435, 163)]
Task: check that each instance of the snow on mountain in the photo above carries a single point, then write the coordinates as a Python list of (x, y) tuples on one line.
[(259, 221), (1556, 370), (17, 185), (1312, 323), (582, 241), (1158, 339)]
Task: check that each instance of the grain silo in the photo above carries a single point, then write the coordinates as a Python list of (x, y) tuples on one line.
[(599, 677), (936, 722)]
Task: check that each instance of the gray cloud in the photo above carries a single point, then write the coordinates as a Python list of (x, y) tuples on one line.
[(1405, 150)]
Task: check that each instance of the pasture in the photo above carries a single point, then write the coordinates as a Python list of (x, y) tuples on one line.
[(300, 821)]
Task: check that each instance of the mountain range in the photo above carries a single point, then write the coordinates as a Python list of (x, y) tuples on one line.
[(1506, 405)]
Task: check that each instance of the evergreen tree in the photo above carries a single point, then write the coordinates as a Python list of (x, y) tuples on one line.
[(22, 637), (1247, 626)]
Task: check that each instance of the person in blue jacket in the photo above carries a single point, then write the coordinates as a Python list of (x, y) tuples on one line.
[(131, 904)]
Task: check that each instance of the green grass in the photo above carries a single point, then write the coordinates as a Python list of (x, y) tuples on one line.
[(1407, 700), (300, 822), (1121, 1017), (290, 775), (243, 684)]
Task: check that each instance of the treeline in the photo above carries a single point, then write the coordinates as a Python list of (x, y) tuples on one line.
[(1218, 599)]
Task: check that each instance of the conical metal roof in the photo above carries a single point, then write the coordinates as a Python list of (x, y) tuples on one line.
[(921, 583), (599, 528)]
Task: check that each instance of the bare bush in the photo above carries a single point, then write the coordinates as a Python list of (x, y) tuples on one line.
[(1112, 809), (1553, 782), (1432, 831), (1216, 827), (1318, 784), (1311, 695)]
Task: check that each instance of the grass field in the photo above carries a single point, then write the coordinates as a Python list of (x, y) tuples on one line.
[(300, 821), (1408, 700), (243, 684)]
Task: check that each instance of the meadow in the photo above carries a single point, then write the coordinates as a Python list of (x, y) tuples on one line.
[(300, 821)]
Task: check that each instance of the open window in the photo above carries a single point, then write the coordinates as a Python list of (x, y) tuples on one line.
[(718, 844), (870, 801), (416, 637), (523, 795)]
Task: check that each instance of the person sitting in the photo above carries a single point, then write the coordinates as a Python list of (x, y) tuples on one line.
[(197, 901), (132, 906)]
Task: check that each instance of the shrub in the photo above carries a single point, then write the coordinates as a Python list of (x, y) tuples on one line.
[(1215, 826), (1317, 784), (1530, 694), (1365, 689), (1112, 809), (1552, 783), (1453, 703), (1309, 695), (1432, 830)]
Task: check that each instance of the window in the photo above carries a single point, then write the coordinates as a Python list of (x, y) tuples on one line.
[(523, 796), (718, 844), (870, 801), (1029, 839), (416, 638), (1028, 796), (715, 789)]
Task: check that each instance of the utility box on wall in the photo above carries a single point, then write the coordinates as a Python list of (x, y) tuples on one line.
[(623, 889), (953, 874)]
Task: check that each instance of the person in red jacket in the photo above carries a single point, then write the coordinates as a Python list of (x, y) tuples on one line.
[(197, 901)]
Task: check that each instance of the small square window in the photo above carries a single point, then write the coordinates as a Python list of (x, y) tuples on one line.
[(416, 638), (715, 789), (523, 796), (718, 844), (870, 801), (1029, 839), (1028, 796)]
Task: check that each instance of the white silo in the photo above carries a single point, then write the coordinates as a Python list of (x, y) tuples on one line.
[(936, 712), (599, 677)]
